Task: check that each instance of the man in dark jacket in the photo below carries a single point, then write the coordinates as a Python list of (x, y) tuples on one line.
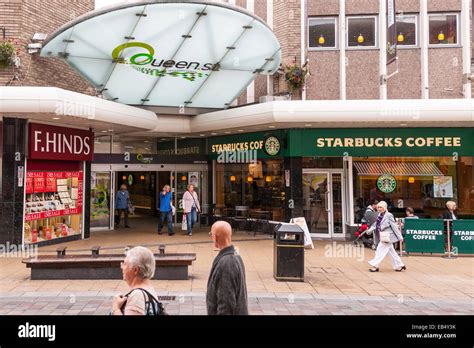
[(226, 287)]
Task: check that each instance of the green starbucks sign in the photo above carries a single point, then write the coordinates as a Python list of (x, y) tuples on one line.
[(463, 236), (386, 183), (272, 146), (424, 235)]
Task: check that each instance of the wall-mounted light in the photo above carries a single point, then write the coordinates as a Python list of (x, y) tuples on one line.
[(142, 177), (124, 177), (441, 36), (411, 180), (183, 178), (249, 178), (232, 178), (360, 39), (400, 37), (321, 40), (268, 178)]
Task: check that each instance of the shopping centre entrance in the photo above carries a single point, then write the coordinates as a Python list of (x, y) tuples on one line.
[(144, 183)]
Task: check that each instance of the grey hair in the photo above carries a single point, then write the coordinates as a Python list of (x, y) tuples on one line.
[(450, 204), (382, 204), (144, 259)]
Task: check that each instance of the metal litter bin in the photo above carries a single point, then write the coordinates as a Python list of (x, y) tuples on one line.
[(288, 263)]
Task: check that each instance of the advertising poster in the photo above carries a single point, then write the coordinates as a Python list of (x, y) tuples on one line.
[(193, 178), (443, 186)]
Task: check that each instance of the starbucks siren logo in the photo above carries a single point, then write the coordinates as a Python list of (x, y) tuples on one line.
[(145, 62), (272, 146), (386, 183)]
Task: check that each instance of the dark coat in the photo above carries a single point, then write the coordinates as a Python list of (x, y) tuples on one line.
[(226, 287), (447, 215)]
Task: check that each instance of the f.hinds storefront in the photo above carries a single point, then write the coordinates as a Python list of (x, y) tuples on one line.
[(54, 183), (50, 184)]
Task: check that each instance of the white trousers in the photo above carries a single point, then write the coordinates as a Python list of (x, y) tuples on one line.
[(382, 250)]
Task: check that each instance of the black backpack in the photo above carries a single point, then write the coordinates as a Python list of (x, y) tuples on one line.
[(152, 305)]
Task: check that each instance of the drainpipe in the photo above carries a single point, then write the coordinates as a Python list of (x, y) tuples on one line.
[(303, 41), (270, 24), (425, 91), (251, 88), (466, 49), (383, 48), (342, 49)]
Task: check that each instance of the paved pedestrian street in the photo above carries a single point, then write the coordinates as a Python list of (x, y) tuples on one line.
[(337, 280)]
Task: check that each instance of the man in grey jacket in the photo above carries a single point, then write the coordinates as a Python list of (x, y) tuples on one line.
[(226, 287)]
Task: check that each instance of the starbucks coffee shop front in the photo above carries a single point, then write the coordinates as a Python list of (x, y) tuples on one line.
[(330, 175)]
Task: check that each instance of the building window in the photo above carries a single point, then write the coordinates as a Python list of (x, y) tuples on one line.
[(423, 183), (322, 33), (407, 30), (443, 29), (361, 32)]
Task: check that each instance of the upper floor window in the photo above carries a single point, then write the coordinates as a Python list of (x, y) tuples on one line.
[(322, 33), (361, 32), (407, 30), (443, 29)]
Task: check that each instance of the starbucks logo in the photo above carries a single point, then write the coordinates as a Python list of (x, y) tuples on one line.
[(386, 183), (272, 146)]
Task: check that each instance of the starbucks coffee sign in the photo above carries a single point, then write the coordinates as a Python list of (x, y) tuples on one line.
[(386, 183), (272, 146)]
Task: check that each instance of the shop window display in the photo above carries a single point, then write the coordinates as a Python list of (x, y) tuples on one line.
[(53, 207)]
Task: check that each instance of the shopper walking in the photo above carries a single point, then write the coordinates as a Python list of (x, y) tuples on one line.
[(166, 210), (226, 286), (191, 208), (122, 200), (137, 270), (387, 232)]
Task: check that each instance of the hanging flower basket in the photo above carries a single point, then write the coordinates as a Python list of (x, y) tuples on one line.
[(8, 53), (295, 76)]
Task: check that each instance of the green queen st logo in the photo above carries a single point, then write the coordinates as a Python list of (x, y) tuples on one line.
[(272, 146), (386, 183)]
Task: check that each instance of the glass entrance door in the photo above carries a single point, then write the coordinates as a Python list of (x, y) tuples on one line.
[(323, 206), (101, 200)]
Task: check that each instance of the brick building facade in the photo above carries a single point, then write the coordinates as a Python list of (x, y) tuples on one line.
[(21, 20)]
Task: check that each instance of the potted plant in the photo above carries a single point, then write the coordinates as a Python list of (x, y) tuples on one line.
[(295, 76), (8, 53)]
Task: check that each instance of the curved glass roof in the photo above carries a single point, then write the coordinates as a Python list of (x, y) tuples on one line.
[(162, 53)]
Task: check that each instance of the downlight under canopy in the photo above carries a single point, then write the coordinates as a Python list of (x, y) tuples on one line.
[(163, 53)]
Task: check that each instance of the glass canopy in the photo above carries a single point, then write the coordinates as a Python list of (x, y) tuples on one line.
[(161, 53)]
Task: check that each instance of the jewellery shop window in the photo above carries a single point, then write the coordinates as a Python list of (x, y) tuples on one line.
[(53, 207)]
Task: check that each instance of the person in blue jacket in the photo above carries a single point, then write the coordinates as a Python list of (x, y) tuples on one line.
[(121, 205), (166, 209)]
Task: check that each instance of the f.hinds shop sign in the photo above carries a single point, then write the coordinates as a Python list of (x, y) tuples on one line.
[(57, 143)]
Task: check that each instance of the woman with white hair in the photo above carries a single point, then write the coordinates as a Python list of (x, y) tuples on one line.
[(387, 233), (137, 269)]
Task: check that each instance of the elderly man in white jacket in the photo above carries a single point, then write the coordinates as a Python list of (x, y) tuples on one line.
[(386, 223)]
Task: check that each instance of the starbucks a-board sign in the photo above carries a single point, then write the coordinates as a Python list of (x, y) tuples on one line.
[(272, 145), (463, 236), (424, 235), (386, 183)]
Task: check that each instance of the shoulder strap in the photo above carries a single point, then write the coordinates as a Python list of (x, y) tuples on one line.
[(158, 309)]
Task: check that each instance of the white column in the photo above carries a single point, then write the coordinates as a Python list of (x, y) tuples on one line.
[(251, 87), (303, 40), (342, 49), (270, 24), (383, 48), (424, 37), (466, 48)]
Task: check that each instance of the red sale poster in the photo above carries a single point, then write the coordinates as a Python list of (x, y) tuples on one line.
[(50, 184), (29, 185), (39, 184)]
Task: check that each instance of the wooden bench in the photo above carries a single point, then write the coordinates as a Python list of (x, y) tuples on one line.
[(95, 266)]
